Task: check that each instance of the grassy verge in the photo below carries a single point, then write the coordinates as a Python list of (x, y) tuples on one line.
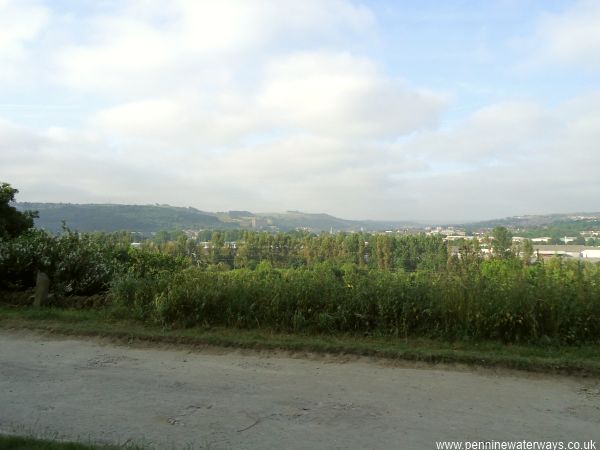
[(581, 360), (29, 443)]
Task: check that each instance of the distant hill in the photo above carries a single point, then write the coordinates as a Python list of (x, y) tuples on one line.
[(235, 214), (291, 220), (99, 217), (539, 221), (152, 218), (555, 226)]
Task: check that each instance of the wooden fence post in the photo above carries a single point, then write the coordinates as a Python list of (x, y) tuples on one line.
[(42, 285)]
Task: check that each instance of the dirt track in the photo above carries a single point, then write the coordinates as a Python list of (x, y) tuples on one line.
[(86, 389)]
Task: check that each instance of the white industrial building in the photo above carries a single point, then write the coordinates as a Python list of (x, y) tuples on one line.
[(591, 253)]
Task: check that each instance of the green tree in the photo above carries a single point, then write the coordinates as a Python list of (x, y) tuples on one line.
[(384, 251), (13, 222), (502, 242), (527, 251), (470, 253)]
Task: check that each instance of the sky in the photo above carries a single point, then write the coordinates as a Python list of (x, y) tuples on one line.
[(405, 110)]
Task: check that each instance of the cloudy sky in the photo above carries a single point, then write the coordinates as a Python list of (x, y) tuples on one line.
[(424, 110)]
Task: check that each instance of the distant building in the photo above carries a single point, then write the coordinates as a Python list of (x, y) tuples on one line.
[(458, 237), (192, 234), (568, 251), (450, 231), (560, 253), (591, 253)]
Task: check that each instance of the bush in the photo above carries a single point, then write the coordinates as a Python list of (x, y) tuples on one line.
[(77, 264), (22, 257), (134, 296)]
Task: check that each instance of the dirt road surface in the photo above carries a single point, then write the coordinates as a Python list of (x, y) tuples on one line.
[(171, 398)]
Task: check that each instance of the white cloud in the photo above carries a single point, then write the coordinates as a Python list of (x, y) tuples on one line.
[(327, 94), (179, 121), (500, 132), (21, 21), (14, 136), (337, 93), (148, 46), (511, 158), (534, 165), (570, 38)]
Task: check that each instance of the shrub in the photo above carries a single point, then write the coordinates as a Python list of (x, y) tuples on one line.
[(77, 264)]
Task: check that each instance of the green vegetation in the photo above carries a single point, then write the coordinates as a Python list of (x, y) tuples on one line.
[(153, 218), (111, 218), (577, 220), (78, 264), (554, 226), (358, 286), (30, 443), (12, 222), (502, 242), (502, 300), (389, 285), (558, 230), (580, 359)]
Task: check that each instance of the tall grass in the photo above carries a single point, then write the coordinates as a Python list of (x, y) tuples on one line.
[(496, 299)]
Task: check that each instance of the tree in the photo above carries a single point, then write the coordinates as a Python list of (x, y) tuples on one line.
[(470, 253), (384, 251), (502, 242), (527, 251), (13, 222)]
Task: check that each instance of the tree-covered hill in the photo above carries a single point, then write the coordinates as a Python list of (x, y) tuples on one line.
[(540, 220), (99, 217), (151, 218)]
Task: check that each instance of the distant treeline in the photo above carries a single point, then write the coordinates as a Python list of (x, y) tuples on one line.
[(247, 249)]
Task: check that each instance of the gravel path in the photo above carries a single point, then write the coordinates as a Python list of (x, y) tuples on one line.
[(86, 389)]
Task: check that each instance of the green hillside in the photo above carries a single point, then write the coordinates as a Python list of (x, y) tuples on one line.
[(98, 217), (573, 220), (555, 226), (151, 218)]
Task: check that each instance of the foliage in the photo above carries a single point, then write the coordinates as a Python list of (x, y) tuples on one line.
[(502, 242), (31, 443), (12, 222), (383, 284), (111, 218), (494, 299), (81, 264), (152, 218), (22, 257), (148, 273)]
